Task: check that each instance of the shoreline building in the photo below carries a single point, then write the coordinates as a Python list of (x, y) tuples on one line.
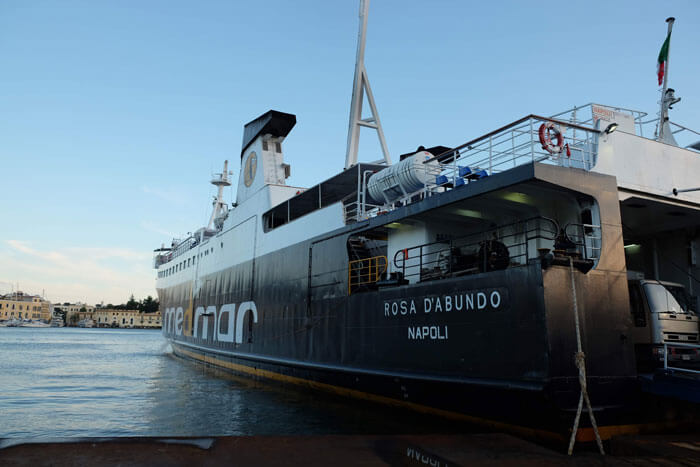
[(109, 317), (22, 306), (74, 311)]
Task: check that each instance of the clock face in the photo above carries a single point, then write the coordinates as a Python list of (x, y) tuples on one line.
[(251, 164)]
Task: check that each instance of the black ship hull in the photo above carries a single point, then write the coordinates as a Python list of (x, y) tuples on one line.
[(496, 346)]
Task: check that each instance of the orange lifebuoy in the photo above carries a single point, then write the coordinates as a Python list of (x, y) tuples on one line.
[(549, 132)]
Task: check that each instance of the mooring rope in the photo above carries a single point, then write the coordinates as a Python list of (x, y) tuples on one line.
[(580, 358)]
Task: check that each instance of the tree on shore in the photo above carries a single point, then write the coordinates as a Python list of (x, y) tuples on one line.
[(132, 304), (148, 305)]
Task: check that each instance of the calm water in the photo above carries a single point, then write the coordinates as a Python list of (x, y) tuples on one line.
[(71, 382)]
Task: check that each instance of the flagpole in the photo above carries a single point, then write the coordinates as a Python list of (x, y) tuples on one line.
[(664, 112)]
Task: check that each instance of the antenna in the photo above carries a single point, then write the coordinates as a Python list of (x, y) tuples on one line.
[(360, 85)]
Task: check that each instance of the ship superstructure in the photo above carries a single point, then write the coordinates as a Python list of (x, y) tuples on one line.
[(446, 281)]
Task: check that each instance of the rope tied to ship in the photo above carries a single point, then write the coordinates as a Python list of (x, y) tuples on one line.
[(580, 360)]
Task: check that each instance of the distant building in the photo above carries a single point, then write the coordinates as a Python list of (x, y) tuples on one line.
[(21, 306), (106, 318), (73, 311)]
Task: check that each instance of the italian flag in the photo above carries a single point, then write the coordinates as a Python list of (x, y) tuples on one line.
[(663, 57)]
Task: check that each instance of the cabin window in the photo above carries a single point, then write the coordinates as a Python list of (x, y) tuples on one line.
[(637, 306)]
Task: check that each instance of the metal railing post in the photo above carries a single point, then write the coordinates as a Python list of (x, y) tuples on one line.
[(490, 155), (532, 141)]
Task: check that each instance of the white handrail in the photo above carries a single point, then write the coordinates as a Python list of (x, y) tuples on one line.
[(679, 344)]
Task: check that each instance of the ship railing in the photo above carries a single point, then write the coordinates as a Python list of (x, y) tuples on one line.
[(510, 146), (366, 272), (583, 115), (492, 249), (161, 258), (515, 144), (587, 237), (674, 345), (183, 246), (687, 135), (357, 211)]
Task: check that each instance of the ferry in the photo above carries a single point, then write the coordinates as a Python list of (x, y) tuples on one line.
[(488, 282)]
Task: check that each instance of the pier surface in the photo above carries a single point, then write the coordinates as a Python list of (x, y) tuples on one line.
[(338, 450)]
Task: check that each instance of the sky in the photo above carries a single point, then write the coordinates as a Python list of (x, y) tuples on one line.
[(114, 115)]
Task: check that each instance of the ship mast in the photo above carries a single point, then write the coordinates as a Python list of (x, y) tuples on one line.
[(360, 85), (665, 135), (220, 180)]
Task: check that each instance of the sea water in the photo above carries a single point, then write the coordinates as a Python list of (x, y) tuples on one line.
[(74, 382)]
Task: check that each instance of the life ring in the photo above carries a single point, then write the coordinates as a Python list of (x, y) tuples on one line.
[(546, 131)]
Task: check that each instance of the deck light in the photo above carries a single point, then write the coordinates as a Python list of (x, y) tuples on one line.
[(469, 213), (610, 128)]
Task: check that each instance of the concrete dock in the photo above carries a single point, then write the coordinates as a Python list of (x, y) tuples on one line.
[(339, 450)]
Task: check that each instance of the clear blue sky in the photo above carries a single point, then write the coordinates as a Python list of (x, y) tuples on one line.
[(113, 115)]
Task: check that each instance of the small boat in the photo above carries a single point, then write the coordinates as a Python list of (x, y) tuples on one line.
[(86, 323), (57, 322), (36, 324)]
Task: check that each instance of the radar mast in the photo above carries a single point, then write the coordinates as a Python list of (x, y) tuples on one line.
[(361, 85), (220, 208)]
